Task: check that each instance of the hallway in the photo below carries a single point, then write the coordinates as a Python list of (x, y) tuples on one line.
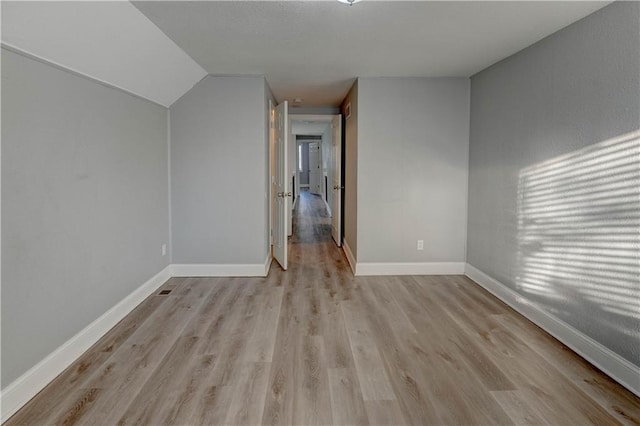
[(316, 345), (311, 220)]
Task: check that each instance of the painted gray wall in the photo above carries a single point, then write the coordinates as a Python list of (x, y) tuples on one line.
[(351, 170), (219, 157), (84, 204), (413, 139), (564, 96)]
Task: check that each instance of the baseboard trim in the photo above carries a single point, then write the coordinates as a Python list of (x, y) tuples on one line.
[(25, 387), (326, 203), (409, 268), (618, 368), (219, 270), (20, 391), (267, 264), (350, 258)]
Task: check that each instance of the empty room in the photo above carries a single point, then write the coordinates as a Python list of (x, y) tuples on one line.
[(332, 212)]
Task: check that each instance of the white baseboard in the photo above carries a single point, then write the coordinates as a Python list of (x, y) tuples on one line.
[(19, 392), (618, 368), (267, 264), (326, 203), (409, 268), (350, 258), (220, 270), (25, 387)]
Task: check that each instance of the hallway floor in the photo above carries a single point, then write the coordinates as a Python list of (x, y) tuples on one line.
[(316, 345)]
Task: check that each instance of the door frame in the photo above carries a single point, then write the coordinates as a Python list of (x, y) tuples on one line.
[(274, 177), (327, 118), (293, 165)]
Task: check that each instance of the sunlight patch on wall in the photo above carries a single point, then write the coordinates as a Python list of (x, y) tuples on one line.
[(579, 228)]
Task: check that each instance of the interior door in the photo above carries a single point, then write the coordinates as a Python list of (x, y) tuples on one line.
[(315, 172), (336, 163), (283, 195)]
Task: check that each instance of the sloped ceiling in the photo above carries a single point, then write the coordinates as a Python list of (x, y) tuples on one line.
[(108, 41), (314, 49)]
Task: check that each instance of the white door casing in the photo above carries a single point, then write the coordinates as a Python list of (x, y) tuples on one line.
[(283, 194), (337, 187)]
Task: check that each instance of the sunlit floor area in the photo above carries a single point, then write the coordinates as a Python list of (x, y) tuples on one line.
[(316, 345)]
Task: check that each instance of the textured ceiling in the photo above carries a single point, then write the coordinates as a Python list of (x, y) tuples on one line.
[(314, 50)]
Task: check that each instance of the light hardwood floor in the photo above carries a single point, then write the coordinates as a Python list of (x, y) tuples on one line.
[(316, 345)]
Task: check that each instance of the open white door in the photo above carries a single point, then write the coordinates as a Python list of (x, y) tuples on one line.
[(336, 162), (283, 196), (292, 167), (315, 172)]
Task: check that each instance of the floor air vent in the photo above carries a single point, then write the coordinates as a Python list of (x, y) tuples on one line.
[(164, 292)]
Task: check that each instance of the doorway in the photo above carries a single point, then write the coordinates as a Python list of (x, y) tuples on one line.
[(318, 163), (311, 170), (315, 169)]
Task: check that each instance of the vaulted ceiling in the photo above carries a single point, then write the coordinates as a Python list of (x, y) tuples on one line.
[(306, 49), (108, 41)]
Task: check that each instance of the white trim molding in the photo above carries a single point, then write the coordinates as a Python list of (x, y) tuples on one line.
[(267, 264), (409, 268), (221, 270), (326, 203), (18, 393), (618, 368), (25, 387), (350, 258)]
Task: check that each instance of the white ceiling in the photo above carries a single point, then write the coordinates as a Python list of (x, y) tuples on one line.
[(109, 41), (314, 50), (306, 49)]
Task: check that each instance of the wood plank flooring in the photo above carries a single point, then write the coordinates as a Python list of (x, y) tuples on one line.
[(316, 345)]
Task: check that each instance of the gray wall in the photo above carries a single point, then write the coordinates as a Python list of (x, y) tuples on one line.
[(351, 171), (413, 140), (84, 204), (541, 220), (219, 159)]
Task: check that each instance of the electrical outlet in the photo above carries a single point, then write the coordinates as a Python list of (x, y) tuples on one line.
[(420, 245), (164, 249)]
